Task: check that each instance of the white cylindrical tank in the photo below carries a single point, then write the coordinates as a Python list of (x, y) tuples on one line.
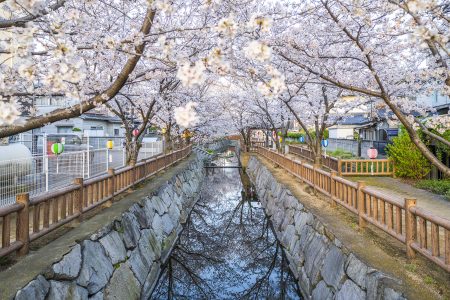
[(15, 161)]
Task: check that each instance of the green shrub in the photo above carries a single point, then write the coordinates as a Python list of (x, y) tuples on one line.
[(339, 153), (76, 129), (409, 161), (441, 187)]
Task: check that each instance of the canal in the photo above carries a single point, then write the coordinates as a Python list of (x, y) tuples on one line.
[(227, 249)]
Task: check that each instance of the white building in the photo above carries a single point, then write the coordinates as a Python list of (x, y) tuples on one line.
[(98, 122), (437, 101)]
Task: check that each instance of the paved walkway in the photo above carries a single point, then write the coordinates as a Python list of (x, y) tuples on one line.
[(434, 203)]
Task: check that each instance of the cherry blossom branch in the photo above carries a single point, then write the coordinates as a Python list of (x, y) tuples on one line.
[(78, 109), (21, 22)]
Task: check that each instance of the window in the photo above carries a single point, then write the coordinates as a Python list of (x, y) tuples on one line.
[(116, 131)]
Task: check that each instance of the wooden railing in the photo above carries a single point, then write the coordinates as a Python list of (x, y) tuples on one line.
[(37, 216), (419, 230), (254, 144), (349, 167)]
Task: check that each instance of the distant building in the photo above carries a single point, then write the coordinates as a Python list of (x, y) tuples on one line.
[(439, 102), (365, 127)]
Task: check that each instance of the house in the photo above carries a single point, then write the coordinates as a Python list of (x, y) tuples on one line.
[(98, 122), (439, 102)]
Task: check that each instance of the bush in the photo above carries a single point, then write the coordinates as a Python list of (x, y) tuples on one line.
[(409, 161), (441, 187), (339, 153)]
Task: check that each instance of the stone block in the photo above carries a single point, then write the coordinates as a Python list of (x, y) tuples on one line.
[(96, 268), (123, 285), (158, 227), (67, 290), (114, 247), (131, 230), (97, 296), (322, 292), (37, 289), (140, 214), (150, 281), (69, 266), (159, 205), (356, 270), (314, 256), (350, 291), (288, 236), (168, 224), (333, 267)]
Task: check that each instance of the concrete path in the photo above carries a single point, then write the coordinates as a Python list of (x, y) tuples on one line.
[(434, 203)]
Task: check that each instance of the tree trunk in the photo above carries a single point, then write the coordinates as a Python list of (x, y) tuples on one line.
[(318, 153), (168, 144), (132, 148)]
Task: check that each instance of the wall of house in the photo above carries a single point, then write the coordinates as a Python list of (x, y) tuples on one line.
[(433, 100), (341, 132)]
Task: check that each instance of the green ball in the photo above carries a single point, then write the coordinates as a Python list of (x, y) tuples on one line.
[(57, 148)]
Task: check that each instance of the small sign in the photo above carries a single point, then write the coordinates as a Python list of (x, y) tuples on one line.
[(63, 140)]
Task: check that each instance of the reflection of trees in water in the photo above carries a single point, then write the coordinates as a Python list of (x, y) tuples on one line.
[(227, 249)]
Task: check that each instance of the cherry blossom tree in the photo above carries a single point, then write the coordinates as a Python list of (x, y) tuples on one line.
[(375, 49)]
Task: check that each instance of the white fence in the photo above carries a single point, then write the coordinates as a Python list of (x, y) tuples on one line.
[(352, 146), (42, 173)]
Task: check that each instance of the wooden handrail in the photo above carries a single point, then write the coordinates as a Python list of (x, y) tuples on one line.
[(383, 211), (345, 166), (46, 212)]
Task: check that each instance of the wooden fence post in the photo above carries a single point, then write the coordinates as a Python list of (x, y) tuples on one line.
[(315, 177), (79, 194), (360, 198), (410, 227), (23, 223), (111, 186), (333, 188), (339, 168)]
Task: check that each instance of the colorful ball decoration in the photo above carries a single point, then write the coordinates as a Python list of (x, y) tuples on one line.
[(135, 132), (302, 139), (57, 148), (109, 144), (325, 143)]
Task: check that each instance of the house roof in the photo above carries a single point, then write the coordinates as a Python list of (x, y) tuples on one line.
[(355, 120), (100, 117)]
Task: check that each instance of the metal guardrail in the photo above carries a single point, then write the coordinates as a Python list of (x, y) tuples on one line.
[(420, 230), (36, 216), (42, 173), (349, 167)]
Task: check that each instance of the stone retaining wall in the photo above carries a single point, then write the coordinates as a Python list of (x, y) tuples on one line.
[(323, 266), (123, 259)]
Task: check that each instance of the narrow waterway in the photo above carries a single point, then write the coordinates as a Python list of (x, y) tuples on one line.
[(227, 249)]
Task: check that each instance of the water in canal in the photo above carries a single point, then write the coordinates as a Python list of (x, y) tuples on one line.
[(227, 249)]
